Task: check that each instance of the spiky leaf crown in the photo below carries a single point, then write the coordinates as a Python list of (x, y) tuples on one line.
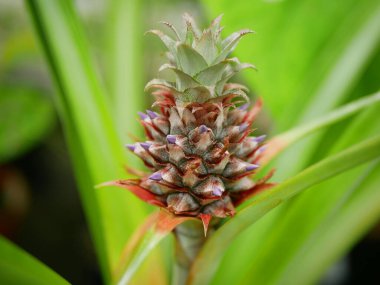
[(200, 62), (198, 146)]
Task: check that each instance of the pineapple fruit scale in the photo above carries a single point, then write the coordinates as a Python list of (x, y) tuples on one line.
[(198, 147)]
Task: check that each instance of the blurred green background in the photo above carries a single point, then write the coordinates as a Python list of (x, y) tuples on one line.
[(312, 56)]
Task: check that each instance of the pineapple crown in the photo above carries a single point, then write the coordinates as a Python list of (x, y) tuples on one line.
[(199, 60)]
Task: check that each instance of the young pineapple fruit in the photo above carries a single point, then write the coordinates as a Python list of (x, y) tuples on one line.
[(198, 145)]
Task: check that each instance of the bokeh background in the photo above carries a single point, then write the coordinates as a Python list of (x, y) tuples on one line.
[(302, 49)]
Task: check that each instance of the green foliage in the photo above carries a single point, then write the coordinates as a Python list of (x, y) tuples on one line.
[(25, 110), (309, 65), (96, 150), (261, 204), (18, 267)]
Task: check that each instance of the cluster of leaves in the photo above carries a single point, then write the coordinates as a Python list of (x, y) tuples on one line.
[(307, 69)]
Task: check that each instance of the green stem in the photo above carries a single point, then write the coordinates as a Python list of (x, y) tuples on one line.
[(189, 239)]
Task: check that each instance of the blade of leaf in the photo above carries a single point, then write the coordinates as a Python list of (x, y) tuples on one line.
[(150, 238), (335, 87), (124, 61), (315, 207), (96, 152), (281, 141), (287, 53), (337, 231), (209, 258), (190, 61), (18, 267)]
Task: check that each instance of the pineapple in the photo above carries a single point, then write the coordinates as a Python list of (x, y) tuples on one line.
[(198, 146)]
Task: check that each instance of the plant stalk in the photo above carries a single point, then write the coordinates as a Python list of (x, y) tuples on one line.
[(189, 239)]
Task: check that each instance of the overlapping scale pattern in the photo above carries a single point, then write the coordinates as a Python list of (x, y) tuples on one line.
[(199, 146)]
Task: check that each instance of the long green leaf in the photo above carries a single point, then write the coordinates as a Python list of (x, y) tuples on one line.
[(125, 66), (302, 54), (332, 90), (317, 208), (357, 211), (18, 267), (281, 141), (297, 52), (209, 258), (96, 151)]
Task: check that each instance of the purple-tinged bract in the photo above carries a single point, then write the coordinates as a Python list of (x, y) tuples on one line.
[(199, 149)]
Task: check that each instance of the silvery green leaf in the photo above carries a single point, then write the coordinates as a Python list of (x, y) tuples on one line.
[(237, 93), (233, 69), (191, 26), (212, 74), (189, 60), (198, 94), (172, 28), (229, 44), (184, 81), (168, 41), (159, 83), (206, 46)]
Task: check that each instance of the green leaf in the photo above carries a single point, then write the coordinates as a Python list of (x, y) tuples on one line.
[(206, 46), (356, 216), (124, 37), (26, 116), (332, 91), (184, 81), (298, 54), (96, 151), (168, 41), (212, 74), (281, 141), (299, 58), (230, 43), (18, 267), (189, 60), (155, 228), (319, 207), (209, 258)]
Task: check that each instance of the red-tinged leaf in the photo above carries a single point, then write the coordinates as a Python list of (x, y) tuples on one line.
[(134, 242), (245, 195), (133, 185), (206, 218), (147, 237), (167, 221), (135, 172), (273, 147), (251, 115)]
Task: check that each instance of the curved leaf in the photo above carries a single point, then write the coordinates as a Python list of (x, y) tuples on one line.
[(209, 258), (18, 267), (97, 153)]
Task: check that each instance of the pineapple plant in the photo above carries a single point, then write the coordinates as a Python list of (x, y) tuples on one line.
[(199, 146)]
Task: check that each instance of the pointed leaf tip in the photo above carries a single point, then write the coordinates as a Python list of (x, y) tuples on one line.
[(166, 221), (171, 139), (156, 176), (259, 139), (206, 218), (146, 145), (143, 116), (243, 127), (152, 114), (251, 167)]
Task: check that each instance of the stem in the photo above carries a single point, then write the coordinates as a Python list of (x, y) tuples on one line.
[(189, 239)]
